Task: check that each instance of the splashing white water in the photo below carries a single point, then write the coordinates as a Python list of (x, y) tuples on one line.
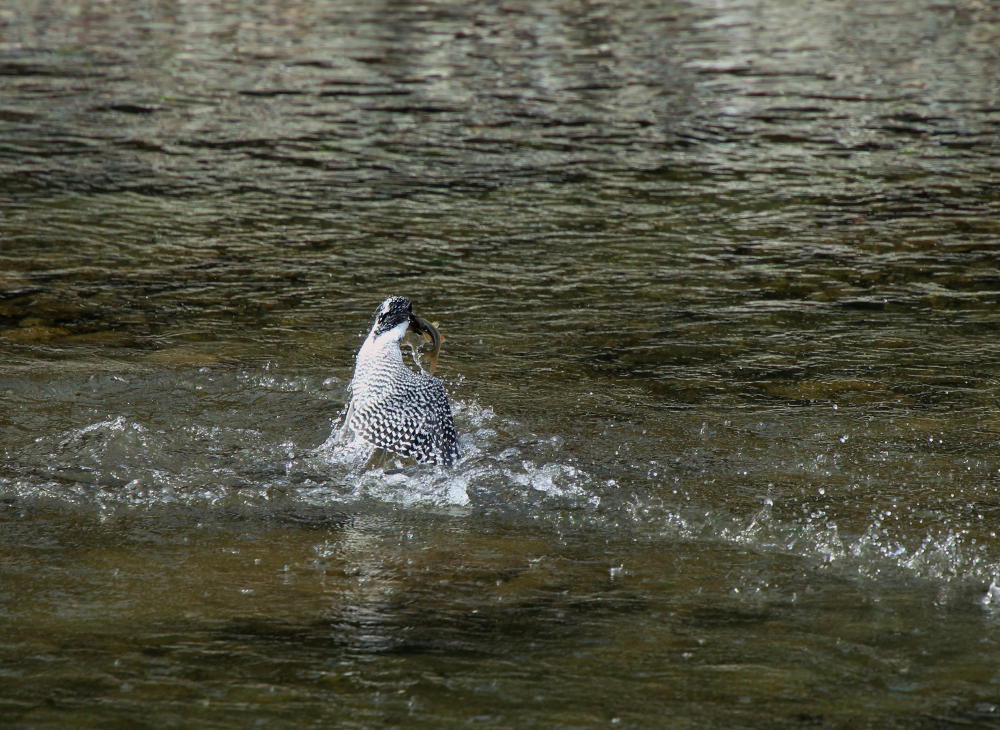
[(482, 476)]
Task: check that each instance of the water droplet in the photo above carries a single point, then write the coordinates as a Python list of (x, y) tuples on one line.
[(992, 595)]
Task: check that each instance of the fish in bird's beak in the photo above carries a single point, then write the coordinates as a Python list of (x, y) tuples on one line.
[(424, 328)]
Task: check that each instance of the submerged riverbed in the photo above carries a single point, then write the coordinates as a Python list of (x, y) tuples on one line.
[(719, 285)]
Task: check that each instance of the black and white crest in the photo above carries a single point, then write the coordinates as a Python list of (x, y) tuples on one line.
[(392, 312)]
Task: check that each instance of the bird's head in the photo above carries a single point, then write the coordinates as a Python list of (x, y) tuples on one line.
[(395, 316)]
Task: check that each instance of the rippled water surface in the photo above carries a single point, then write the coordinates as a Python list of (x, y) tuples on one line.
[(719, 283)]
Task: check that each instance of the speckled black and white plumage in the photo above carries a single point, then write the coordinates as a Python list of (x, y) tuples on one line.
[(391, 406)]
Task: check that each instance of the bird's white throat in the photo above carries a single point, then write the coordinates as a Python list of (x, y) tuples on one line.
[(377, 346)]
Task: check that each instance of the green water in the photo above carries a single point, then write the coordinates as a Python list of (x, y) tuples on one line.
[(719, 286)]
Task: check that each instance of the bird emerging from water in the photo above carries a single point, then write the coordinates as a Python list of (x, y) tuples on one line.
[(392, 407)]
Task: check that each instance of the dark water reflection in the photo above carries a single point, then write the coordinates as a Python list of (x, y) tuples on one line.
[(719, 283)]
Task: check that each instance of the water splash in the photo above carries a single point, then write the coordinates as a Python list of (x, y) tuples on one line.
[(482, 479), (991, 598), (119, 461), (948, 558)]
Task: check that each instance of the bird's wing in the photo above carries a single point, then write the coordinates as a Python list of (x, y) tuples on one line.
[(417, 423)]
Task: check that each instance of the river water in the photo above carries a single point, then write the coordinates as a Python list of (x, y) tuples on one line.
[(719, 282)]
